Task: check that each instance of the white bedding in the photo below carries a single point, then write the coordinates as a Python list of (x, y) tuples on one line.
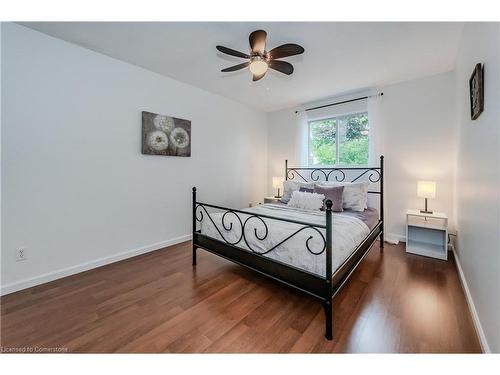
[(348, 233)]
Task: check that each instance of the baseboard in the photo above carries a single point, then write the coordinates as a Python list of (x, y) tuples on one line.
[(394, 238), (472, 308), (58, 274)]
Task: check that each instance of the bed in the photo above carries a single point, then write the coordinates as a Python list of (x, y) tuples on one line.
[(314, 252)]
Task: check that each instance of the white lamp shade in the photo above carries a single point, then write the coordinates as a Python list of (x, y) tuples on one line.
[(277, 182), (426, 189)]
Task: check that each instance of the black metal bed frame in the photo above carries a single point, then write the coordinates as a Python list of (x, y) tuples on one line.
[(322, 288)]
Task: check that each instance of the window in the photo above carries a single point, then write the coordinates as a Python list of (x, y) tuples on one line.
[(341, 140)]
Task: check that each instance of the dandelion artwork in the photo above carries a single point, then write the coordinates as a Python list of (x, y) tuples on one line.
[(165, 135)]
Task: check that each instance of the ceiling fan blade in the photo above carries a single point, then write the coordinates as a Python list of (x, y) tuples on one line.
[(236, 67), (289, 49), (281, 66), (257, 41), (257, 77), (232, 52)]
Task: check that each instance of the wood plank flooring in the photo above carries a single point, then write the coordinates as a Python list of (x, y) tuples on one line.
[(158, 302)]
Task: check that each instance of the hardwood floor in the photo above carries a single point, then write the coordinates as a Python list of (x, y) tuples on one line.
[(158, 302)]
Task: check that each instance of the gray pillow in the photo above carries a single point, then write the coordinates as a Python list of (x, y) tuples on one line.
[(334, 193), (355, 195), (290, 186), (304, 189)]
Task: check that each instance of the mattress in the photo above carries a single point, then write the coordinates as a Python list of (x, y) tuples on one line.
[(349, 230), (369, 216)]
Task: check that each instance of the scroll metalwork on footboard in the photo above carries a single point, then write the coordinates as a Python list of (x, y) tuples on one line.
[(236, 233), (249, 228), (258, 228)]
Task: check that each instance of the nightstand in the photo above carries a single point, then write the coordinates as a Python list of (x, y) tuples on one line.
[(271, 200), (427, 234)]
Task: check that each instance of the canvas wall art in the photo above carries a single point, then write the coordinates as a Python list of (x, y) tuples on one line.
[(476, 88), (165, 135)]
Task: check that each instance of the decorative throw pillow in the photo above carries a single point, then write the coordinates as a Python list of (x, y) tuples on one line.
[(290, 186), (355, 195), (304, 189), (306, 201), (334, 193)]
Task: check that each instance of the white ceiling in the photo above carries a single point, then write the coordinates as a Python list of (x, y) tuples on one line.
[(339, 57)]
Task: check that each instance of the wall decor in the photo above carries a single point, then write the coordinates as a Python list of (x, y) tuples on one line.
[(165, 135), (476, 88)]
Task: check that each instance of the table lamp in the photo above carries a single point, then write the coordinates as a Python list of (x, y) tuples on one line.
[(426, 189), (277, 182)]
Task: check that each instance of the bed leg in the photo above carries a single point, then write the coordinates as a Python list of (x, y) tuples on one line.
[(382, 241), (329, 320), (194, 254), (194, 225)]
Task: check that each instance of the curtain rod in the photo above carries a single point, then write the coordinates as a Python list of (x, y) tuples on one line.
[(342, 102)]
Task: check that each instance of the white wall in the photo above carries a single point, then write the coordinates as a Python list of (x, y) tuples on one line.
[(285, 138), (478, 178), (418, 131), (1, 117), (419, 141), (76, 189)]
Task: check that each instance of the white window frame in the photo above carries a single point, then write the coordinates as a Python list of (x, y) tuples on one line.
[(337, 141)]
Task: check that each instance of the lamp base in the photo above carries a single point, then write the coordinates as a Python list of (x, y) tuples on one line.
[(278, 196), (426, 212)]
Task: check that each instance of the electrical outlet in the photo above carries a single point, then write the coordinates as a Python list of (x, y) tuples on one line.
[(21, 254)]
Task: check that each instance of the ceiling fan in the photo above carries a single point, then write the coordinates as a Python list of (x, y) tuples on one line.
[(259, 60)]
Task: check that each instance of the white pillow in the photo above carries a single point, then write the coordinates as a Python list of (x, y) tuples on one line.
[(306, 201), (355, 195), (290, 186)]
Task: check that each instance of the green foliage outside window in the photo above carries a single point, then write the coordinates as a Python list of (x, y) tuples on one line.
[(323, 142), (352, 140)]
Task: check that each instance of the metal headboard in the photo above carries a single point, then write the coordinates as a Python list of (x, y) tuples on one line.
[(373, 174), (317, 174)]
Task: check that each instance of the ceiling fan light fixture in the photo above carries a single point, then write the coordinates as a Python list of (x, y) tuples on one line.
[(259, 60), (258, 67)]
